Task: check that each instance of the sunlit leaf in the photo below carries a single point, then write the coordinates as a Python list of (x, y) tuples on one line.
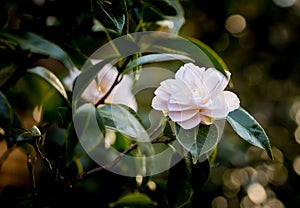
[(51, 78), (152, 58), (37, 44), (249, 129), (134, 200), (198, 140), (217, 61)]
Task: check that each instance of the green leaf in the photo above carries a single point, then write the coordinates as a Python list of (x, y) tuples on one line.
[(134, 200), (179, 188), (111, 15), (37, 44), (118, 117), (217, 61), (29, 136), (127, 122), (6, 112), (198, 140), (152, 58), (164, 10), (51, 78), (87, 126), (4, 17), (249, 129)]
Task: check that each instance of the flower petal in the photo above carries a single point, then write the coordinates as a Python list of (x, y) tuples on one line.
[(182, 115), (190, 123), (178, 107), (232, 100), (159, 104), (122, 93), (215, 81)]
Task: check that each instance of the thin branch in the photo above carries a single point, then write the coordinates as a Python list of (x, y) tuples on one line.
[(30, 161), (116, 82)]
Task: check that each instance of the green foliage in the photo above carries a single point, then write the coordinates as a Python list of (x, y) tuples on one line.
[(249, 129), (32, 75)]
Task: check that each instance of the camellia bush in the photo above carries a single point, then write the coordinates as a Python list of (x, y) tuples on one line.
[(110, 106)]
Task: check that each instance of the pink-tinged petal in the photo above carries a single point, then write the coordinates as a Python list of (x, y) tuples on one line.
[(162, 93), (122, 93), (215, 81), (189, 72), (190, 123), (218, 107), (106, 78), (232, 100), (159, 104), (207, 120), (182, 94), (178, 107), (91, 94), (183, 115)]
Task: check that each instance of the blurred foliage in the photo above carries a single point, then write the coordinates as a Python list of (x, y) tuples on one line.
[(258, 41)]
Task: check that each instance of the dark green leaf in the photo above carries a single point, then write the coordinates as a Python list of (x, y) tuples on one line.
[(6, 112), (198, 140), (37, 44), (200, 174), (111, 15), (152, 58), (249, 129), (164, 10), (6, 72), (134, 200), (179, 188), (3, 18), (51, 78), (29, 136)]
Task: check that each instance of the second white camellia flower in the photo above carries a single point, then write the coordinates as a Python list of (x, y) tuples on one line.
[(195, 96)]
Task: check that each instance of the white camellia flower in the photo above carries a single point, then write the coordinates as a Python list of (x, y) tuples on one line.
[(97, 89), (195, 96)]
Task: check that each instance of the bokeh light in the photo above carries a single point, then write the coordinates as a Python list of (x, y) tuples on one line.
[(235, 23)]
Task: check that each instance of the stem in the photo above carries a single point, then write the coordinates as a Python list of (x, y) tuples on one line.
[(116, 82), (112, 164), (126, 17), (30, 161)]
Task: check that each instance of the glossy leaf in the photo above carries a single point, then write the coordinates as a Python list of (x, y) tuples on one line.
[(164, 10), (249, 129), (87, 127), (37, 44), (198, 140), (51, 78), (111, 15), (121, 119), (152, 58), (134, 200), (217, 61)]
